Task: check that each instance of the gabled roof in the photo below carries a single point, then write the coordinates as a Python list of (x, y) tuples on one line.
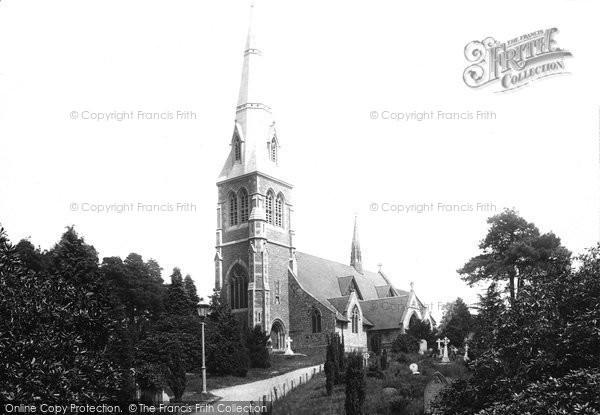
[(326, 281), (385, 313), (385, 291), (339, 303), (347, 284), (320, 277)]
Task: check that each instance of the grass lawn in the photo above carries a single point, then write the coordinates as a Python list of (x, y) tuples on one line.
[(312, 398), (280, 364)]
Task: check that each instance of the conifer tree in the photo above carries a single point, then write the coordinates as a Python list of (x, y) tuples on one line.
[(226, 352), (355, 385)]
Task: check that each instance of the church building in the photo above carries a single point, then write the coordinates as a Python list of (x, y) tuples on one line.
[(258, 270)]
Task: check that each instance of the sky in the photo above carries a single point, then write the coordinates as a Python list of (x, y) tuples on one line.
[(338, 70)]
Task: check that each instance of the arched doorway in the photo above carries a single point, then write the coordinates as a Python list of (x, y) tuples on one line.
[(277, 336)]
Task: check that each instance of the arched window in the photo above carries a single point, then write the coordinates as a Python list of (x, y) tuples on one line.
[(243, 205), (279, 211), (273, 154), (269, 207), (233, 209), (238, 288), (237, 148), (316, 321), (355, 316)]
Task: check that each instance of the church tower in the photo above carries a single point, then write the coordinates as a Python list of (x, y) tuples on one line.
[(355, 255), (255, 240)]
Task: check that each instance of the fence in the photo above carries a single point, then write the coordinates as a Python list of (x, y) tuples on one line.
[(279, 391)]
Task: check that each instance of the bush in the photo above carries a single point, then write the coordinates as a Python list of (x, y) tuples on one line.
[(384, 360), (405, 343), (355, 385), (335, 362), (402, 358), (257, 344), (226, 352), (56, 328), (521, 371)]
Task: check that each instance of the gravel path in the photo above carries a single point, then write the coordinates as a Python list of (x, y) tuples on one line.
[(255, 390)]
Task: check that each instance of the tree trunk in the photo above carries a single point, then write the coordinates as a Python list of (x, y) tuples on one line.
[(511, 285)]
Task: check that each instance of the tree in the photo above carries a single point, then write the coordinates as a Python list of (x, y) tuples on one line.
[(542, 352), (355, 385), (459, 325), (73, 259), (257, 344), (190, 289), (488, 319), (162, 360), (226, 352), (513, 250), (421, 329), (177, 299), (31, 257), (384, 360), (405, 343), (56, 327), (137, 285), (335, 362)]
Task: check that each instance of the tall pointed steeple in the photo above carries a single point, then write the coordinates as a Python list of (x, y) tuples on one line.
[(254, 142), (355, 255)]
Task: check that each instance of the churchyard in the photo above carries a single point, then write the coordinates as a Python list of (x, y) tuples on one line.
[(388, 391)]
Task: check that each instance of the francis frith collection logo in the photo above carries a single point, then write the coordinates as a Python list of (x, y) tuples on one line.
[(514, 63)]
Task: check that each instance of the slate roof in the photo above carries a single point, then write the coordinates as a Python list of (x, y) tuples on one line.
[(328, 280), (383, 290), (320, 276), (339, 303), (385, 313)]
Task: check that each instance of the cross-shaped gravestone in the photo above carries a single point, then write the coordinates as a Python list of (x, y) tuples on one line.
[(365, 359), (288, 346), (439, 342), (445, 356)]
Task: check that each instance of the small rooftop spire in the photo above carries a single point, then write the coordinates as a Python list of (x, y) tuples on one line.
[(355, 255)]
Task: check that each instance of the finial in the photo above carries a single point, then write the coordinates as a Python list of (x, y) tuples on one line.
[(379, 266), (412, 285)]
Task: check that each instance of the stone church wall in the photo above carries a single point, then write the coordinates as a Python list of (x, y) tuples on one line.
[(278, 272), (301, 307)]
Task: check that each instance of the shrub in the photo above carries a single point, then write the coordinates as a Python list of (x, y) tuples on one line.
[(226, 352), (257, 344), (355, 385), (405, 343), (384, 360)]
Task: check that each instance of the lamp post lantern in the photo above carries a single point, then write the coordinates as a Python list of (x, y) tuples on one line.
[(203, 312)]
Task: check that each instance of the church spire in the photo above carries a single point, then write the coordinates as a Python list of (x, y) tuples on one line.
[(355, 256), (254, 142)]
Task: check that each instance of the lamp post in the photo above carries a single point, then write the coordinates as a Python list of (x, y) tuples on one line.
[(203, 312)]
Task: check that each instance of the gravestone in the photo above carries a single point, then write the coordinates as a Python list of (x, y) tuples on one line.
[(365, 357), (288, 347), (422, 346), (414, 369), (453, 351), (445, 355), (434, 387)]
